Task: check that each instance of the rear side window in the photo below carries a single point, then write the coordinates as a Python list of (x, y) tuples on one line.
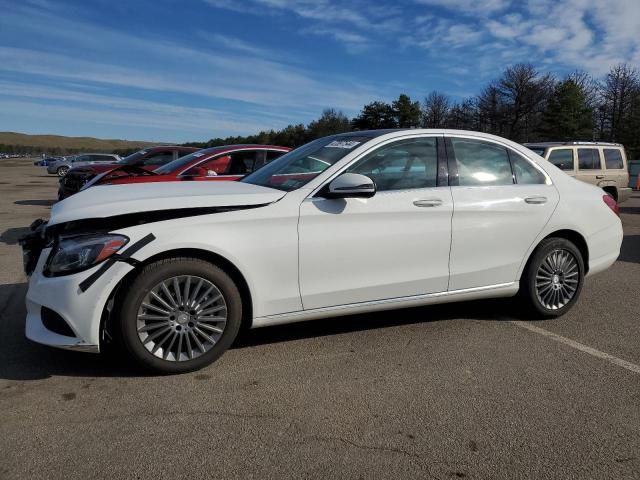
[(525, 172), (589, 159), (481, 163), (613, 158), (562, 158), (103, 158), (402, 165)]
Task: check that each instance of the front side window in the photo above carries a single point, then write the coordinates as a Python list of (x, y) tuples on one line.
[(588, 159), (300, 166), (525, 172), (402, 165), (481, 163), (102, 158), (562, 158), (613, 159), (242, 162)]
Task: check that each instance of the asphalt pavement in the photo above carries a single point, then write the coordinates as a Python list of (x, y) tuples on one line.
[(465, 390)]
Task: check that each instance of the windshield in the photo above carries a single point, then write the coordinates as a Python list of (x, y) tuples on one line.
[(133, 158), (298, 167), (182, 162)]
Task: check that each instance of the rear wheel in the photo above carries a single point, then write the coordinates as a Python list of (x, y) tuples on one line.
[(179, 315), (553, 278), (62, 171)]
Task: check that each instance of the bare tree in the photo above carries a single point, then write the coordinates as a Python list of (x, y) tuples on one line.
[(524, 93), (435, 110)]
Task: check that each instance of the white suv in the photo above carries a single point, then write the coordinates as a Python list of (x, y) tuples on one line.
[(598, 163)]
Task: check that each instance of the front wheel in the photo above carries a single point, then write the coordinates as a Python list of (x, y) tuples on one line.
[(179, 315), (553, 278)]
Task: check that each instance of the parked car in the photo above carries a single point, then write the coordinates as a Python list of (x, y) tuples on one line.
[(230, 162), (598, 163), (46, 161), (61, 167), (351, 223), (148, 158)]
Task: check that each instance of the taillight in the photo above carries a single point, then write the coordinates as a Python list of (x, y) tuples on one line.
[(611, 203)]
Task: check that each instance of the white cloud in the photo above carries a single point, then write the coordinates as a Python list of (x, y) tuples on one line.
[(469, 6)]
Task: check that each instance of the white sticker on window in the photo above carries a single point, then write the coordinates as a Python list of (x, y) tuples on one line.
[(197, 154), (342, 144)]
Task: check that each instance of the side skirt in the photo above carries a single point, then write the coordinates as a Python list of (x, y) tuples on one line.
[(491, 291)]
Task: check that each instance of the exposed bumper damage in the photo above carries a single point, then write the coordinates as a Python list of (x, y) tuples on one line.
[(59, 311)]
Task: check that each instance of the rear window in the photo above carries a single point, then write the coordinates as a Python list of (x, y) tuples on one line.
[(613, 159), (589, 159), (562, 158)]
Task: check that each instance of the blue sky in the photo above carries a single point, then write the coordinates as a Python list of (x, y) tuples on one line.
[(182, 70)]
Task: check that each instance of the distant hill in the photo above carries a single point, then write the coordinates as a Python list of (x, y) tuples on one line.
[(22, 142)]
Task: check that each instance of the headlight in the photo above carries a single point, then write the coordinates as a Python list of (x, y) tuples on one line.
[(74, 254)]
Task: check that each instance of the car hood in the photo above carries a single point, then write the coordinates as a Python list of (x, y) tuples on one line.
[(103, 201)]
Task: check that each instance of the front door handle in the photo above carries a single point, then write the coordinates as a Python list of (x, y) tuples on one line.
[(428, 202), (536, 200), (599, 177)]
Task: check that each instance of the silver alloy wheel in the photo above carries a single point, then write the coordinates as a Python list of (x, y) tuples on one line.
[(557, 279), (62, 171), (181, 318)]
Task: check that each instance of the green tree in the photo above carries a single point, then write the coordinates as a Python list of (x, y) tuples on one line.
[(375, 115), (330, 122), (567, 115), (406, 112)]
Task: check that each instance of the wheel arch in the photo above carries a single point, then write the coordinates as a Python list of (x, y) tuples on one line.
[(208, 256), (611, 190), (574, 237)]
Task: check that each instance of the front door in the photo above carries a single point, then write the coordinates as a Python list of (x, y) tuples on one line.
[(394, 244)]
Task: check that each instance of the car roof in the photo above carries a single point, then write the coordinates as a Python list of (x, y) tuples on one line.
[(557, 144), (231, 148)]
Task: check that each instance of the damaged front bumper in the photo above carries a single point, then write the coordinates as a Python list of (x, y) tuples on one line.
[(59, 312)]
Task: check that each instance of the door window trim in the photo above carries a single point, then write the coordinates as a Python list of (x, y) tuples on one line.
[(453, 166)]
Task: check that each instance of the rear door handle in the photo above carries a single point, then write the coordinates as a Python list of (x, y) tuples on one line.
[(536, 200), (428, 202)]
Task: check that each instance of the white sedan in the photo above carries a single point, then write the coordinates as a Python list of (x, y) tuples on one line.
[(352, 223)]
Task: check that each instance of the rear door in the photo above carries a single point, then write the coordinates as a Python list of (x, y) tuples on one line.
[(590, 168), (501, 202)]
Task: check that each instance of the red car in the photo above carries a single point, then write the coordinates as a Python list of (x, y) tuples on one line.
[(230, 162), (148, 158)]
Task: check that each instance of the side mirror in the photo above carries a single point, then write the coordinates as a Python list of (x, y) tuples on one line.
[(350, 185)]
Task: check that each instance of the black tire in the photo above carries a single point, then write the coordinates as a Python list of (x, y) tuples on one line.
[(62, 171), (529, 291), (155, 273)]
